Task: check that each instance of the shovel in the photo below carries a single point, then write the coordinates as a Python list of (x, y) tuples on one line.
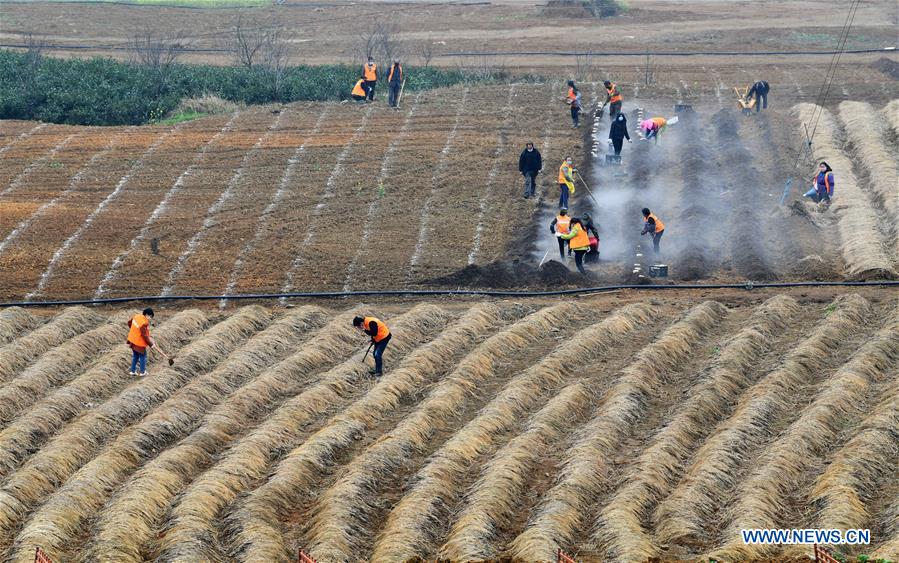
[(367, 351)]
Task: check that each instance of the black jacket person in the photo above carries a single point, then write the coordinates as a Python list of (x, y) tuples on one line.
[(380, 336), (618, 133), (530, 163), (760, 91)]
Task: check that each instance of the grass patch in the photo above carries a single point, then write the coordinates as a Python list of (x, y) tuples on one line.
[(181, 117)]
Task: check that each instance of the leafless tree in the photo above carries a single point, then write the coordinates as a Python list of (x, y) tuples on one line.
[(648, 70), (157, 51), (584, 65), (382, 43), (425, 51), (262, 44)]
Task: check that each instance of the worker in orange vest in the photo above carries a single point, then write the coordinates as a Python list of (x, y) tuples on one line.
[(566, 181), (380, 336), (579, 242), (359, 92), (573, 99), (613, 98), (560, 226), (653, 225), (139, 340), (394, 83), (370, 76)]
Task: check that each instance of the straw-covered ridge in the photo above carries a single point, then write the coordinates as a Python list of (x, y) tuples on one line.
[(889, 546), (80, 441), (763, 498), (415, 524), (862, 245), (868, 135), (622, 528), (58, 366), (251, 457), (23, 350), (105, 378), (560, 516), (256, 526), (712, 476), (342, 518), (891, 114), (14, 322), (129, 522)]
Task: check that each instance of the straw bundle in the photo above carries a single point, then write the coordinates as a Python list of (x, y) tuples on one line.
[(250, 458), (257, 522), (697, 499), (587, 466), (891, 113), (863, 247), (128, 524), (413, 526), (79, 442), (343, 514), (58, 366), (15, 321), (621, 525), (22, 351), (763, 498), (104, 378)]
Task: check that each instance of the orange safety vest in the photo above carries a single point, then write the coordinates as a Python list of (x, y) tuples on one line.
[(615, 95), (572, 96), (383, 331), (565, 176), (659, 225), (580, 239), (563, 222), (370, 72), (660, 121), (392, 68), (138, 321), (358, 90)]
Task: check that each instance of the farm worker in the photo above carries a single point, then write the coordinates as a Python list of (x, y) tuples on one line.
[(654, 226), (613, 98), (560, 226), (654, 127), (394, 83), (573, 99), (380, 336), (760, 91), (822, 184), (370, 76), (530, 163), (593, 253), (358, 92), (139, 340), (618, 133), (579, 242), (566, 181)]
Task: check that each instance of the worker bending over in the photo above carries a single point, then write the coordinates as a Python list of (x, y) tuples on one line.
[(654, 226), (139, 340), (654, 127), (822, 184), (579, 242), (359, 94), (573, 99), (380, 336), (593, 253), (370, 76), (760, 91), (566, 181), (613, 98), (394, 83), (561, 225)]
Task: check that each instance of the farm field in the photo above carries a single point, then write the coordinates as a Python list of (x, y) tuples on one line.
[(633, 428)]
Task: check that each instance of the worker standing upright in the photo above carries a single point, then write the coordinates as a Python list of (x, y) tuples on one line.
[(139, 340), (394, 83), (530, 163), (370, 76), (560, 226), (566, 181), (618, 133), (573, 99), (760, 90), (579, 242), (380, 336), (654, 226), (613, 98)]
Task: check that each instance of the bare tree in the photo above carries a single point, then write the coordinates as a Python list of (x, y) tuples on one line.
[(262, 44), (382, 43), (648, 70), (584, 65), (246, 42), (158, 52), (425, 51)]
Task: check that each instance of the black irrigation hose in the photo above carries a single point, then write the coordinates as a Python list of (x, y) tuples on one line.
[(749, 285)]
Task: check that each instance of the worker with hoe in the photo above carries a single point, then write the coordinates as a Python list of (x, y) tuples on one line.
[(822, 185), (613, 98), (370, 78), (566, 181), (618, 133), (139, 340), (394, 83), (760, 90), (654, 226), (573, 99), (530, 163), (560, 226), (380, 336), (579, 242)]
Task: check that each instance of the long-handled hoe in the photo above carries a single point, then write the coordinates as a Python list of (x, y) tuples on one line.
[(581, 178), (166, 356), (367, 351)]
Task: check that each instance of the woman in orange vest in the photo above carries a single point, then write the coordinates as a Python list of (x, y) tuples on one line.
[(566, 181), (573, 99), (139, 340), (370, 76), (614, 98), (560, 226), (579, 242), (358, 92), (394, 83), (380, 336), (654, 225)]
